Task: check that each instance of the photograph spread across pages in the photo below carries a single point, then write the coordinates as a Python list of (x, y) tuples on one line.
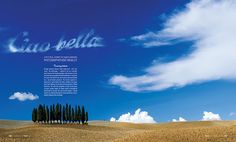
[(118, 70)]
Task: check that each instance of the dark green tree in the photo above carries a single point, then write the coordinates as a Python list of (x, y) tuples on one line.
[(76, 114), (47, 114), (44, 114), (34, 115), (64, 114), (86, 117), (40, 113), (53, 113), (83, 115), (72, 115), (79, 115), (69, 113), (60, 113), (57, 112)]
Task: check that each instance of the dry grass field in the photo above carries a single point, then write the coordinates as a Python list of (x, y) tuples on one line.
[(100, 131)]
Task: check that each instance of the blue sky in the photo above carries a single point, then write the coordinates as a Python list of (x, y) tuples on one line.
[(129, 58)]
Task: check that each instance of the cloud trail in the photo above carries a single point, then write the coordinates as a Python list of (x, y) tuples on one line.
[(210, 25)]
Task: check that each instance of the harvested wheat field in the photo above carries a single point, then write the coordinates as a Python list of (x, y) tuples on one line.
[(100, 131)]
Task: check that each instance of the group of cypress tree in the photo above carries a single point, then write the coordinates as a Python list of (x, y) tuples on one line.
[(59, 114)]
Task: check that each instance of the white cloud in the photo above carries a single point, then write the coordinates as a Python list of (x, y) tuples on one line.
[(210, 25), (22, 96), (181, 119), (210, 116), (138, 117), (112, 119)]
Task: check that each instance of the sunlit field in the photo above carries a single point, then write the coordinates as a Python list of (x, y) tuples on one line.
[(215, 131)]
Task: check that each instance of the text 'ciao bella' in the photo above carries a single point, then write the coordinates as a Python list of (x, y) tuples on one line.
[(22, 44)]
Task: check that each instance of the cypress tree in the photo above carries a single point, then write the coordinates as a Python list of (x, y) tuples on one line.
[(79, 114), (64, 114), (40, 113), (76, 114), (57, 112), (83, 115), (34, 115), (86, 117), (53, 113), (60, 113), (72, 115), (69, 113), (44, 114), (47, 114)]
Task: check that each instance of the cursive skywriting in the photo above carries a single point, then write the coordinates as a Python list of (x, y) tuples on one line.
[(22, 43)]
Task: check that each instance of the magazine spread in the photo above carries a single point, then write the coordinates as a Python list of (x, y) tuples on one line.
[(117, 70)]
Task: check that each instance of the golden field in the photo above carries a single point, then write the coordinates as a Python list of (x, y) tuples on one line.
[(100, 131)]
